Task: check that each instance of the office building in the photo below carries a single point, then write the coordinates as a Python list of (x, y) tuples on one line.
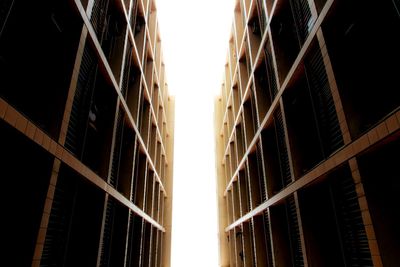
[(86, 134), (308, 134)]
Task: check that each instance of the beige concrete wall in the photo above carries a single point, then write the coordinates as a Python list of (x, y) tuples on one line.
[(166, 261), (222, 211)]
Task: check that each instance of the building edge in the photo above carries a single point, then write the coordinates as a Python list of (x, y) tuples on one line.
[(169, 184)]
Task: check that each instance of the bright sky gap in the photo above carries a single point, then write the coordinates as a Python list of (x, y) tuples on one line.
[(195, 37)]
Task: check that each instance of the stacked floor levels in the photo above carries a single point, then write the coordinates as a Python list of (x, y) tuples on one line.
[(86, 134), (308, 134)]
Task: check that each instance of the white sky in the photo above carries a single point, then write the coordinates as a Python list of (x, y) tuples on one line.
[(195, 35)]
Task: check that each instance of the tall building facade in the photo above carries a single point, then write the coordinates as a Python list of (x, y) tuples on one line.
[(86, 134), (308, 134)]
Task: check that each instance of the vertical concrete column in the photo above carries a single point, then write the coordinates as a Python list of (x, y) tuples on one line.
[(334, 89), (61, 140), (366, 216)]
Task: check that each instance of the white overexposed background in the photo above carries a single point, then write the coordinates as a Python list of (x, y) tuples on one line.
[(195, 36)]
